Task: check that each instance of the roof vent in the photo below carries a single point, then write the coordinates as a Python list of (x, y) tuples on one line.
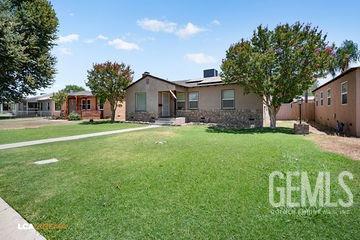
[(145, 74), (210, 73)]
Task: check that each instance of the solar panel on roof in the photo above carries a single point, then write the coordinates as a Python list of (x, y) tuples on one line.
[(210, 80), (194, 80)]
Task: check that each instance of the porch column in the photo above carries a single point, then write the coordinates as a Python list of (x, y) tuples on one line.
[(1, 107), (175, 107)]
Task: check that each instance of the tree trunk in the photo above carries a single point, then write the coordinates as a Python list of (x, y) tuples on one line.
[(272, 113), (113, 111)]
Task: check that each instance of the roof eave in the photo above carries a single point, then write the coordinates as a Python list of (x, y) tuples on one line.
[(337, 77)]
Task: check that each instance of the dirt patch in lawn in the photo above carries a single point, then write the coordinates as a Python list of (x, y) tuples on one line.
[(327, 140), (19, 123), (348, 146)]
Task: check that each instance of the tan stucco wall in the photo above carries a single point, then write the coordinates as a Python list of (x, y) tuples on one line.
[(327, 115), (285, 112), (210, 98), (151, 86), (119, 113), (291, 111)]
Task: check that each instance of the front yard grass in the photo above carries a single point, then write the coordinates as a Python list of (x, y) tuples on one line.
[(28, 134), (173, 183)]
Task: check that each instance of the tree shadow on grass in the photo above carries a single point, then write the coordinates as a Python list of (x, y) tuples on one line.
[(99, 122), (219, 129)]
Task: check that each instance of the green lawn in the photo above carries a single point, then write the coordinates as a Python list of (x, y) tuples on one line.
[(27, 134), (198, 184)]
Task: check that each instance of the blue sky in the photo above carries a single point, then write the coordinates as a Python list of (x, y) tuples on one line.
[(177, 39)]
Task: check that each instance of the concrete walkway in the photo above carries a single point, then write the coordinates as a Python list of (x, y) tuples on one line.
[(69, 138), (14, 227)]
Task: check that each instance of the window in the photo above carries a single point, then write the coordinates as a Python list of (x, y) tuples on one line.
[(193, 100), (316, 100), (6, 107), (228, 99), (329, 97), (321, 98), (140, 102), (101, 106), (57, 107), (85, 104), (344, 93), (48, 106), (180, 101)]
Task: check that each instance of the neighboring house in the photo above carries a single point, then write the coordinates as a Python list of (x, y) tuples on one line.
[(339, 100), (206, 99), (37, 106), (88, 106), (291, 111), (8, 109)]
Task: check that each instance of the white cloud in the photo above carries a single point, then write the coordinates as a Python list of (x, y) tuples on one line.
[(98, 37), (65, 51), (157, 25), (215, 22), (199, 58), (72, 14), (123, 45), (69, 38), (89, 40), (145, 39), (189, 30), (102, 37)]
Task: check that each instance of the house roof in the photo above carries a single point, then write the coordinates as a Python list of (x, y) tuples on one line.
[(157, 78), (198, 82), (41, 97), (337, 77), (81, 93)]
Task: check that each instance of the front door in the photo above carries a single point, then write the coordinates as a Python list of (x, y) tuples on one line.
[(165, 104), (72, 105)]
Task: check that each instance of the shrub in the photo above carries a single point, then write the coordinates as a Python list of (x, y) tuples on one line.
[(73, 116)]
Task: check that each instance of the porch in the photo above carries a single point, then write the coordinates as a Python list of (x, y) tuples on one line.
[(86, 106), (169, 102)]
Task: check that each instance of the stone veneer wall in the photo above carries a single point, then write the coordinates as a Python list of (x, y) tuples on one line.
[(141, 116), (244, 118)]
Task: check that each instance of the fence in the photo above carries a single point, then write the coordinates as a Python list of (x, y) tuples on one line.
[(23, 114)]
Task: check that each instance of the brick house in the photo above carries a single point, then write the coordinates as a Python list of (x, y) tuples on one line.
[(88, 106)]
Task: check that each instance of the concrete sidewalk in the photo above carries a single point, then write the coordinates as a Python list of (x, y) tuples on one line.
[(15, 227), (69, 138)]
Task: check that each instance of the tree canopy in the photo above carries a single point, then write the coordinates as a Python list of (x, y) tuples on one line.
[(345, 54), (278, 64), (61, 96), (27, 34), (109, 81), (74, 88)]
